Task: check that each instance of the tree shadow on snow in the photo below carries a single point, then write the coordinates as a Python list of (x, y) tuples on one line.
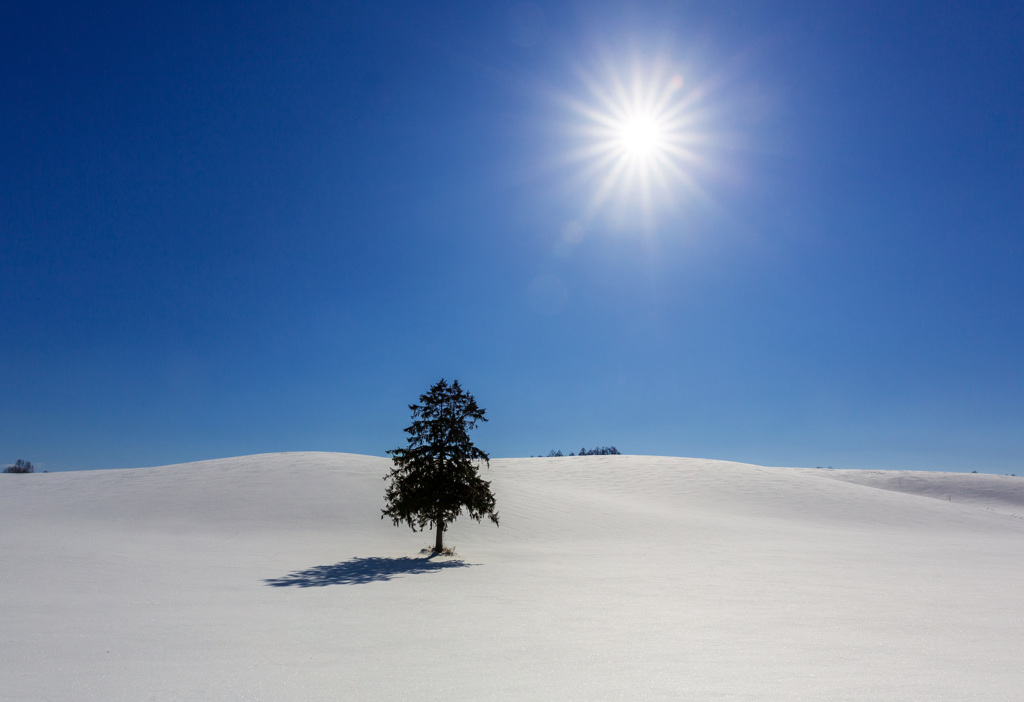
[(358, 571)]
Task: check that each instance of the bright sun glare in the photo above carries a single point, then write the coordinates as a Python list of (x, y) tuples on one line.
[(640, 136), (640, 139)]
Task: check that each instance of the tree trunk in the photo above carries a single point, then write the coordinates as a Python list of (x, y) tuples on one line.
[(438, 545)]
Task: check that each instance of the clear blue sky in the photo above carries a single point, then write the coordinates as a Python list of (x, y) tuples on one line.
[(236, 228)]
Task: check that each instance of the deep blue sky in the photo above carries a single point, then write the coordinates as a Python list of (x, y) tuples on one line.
[(238, 228)]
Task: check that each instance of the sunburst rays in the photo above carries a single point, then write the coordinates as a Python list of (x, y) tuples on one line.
[(641, 137)]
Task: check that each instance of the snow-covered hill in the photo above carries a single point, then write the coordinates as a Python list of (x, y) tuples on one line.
[(272, 577), (998, 493)]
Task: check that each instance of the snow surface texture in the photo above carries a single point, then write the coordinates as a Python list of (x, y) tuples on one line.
[(272, 577)]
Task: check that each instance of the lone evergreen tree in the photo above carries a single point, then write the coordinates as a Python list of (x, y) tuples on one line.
[(435, 476)]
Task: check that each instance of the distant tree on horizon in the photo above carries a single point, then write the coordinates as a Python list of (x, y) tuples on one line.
[(20, 466), (600, 451), (596, 451), (436, 476)]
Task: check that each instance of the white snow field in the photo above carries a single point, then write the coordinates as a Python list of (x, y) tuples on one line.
[(272, 577)]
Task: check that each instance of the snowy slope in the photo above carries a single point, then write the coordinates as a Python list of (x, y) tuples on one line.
[(998, 493), (272, 577)]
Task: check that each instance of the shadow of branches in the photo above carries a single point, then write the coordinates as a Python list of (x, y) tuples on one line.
[(358, 571)]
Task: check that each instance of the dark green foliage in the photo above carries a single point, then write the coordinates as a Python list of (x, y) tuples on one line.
[(20, 466), (435, 477)]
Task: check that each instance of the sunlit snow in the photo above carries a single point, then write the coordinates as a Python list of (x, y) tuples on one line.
[(272, 577)]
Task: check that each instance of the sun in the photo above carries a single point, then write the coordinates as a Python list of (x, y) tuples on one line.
[(639, 138)]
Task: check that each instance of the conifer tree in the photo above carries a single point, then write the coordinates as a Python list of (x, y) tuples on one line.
[(436, 475)]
